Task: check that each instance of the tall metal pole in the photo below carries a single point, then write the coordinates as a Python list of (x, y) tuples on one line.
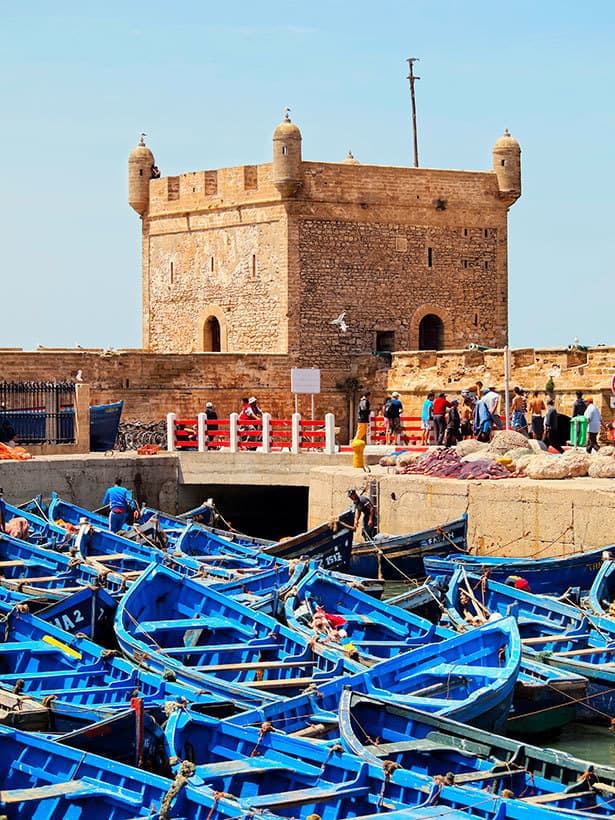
[(411, 78)]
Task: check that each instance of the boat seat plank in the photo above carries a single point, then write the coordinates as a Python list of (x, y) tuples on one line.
[(221, 648), (421, 745), (280, 683), (604, 787), (16, 563), (72, 788), (486, 774), (557, 637), (113, 556), (192, 623), (38, 580), (245, 765), (589, 651), (233, 667), (553, 797), (299, 797)]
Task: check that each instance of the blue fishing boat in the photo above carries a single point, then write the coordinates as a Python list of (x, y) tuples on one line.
[(43, 779), (89, 611), (336, 613), (79, 683), (397, 558), (564, 636), (426, 599), (601, 598), (175, 623), (265, 768), (549, 576), (470, 677), (431, 745), (104, 426)]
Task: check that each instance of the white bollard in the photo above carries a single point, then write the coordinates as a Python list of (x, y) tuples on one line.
[(171, 432), (368, 437), (329, 434), (266, 448), (234, 432), (201, 421), (295, 441)]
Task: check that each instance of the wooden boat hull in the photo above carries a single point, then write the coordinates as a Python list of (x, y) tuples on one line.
[(548, 576), (402, 557)]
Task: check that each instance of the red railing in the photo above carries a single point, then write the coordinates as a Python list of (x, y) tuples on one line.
[(410, 430)]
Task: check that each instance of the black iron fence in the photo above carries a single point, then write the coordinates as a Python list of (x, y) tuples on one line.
[(38, 412)]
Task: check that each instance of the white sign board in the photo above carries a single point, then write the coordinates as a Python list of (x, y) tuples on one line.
[(305, 380)]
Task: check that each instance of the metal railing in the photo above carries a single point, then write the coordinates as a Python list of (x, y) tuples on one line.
[(39, 412), (266, 434)]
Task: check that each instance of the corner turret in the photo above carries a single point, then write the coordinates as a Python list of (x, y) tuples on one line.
[(287, 157), (140, 165), (507, 166)]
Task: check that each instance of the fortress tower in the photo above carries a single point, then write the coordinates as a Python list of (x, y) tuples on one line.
[(261, 258)]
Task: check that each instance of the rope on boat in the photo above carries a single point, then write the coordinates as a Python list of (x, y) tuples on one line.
[(389, 768), (186, 770), (265, 728)]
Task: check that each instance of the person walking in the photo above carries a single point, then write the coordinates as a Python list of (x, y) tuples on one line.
[(492, 400), (594, 420), (483, 421), (363, 413), (427, 419), (121, 506)]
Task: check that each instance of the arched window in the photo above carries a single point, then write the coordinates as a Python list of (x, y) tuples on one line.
[(431, 333), (211, 335)]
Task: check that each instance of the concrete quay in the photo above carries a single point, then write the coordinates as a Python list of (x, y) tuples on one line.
[(516, 516)]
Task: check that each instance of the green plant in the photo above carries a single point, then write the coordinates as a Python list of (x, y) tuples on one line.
[(549, 386)]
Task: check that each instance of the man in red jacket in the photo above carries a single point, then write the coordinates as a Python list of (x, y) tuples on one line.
[(440, 406)]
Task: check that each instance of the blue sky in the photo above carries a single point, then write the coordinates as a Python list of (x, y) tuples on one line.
[(209, 82)]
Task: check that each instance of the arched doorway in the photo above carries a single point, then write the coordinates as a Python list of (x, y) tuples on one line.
[(431, 332), (211, 335)]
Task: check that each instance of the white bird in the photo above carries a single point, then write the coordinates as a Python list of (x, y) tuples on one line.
[(79, 376), (340, 322)]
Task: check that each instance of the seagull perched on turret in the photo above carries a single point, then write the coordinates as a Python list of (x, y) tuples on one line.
[(340, 322)]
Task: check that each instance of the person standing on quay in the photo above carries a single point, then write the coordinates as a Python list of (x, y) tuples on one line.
[(579, 406), (550, 435), (537, 407), (212, 417), (518, 409), (594, 419), (427, 419), (363, 412), (393, 414), (121, 505), (440, 406)]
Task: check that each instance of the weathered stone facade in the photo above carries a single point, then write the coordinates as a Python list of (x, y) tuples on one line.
[(263, 258)]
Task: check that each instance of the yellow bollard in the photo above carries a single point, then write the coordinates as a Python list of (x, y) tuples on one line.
[(358, 446)]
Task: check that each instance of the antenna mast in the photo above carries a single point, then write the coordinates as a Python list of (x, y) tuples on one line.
[(411, 78)]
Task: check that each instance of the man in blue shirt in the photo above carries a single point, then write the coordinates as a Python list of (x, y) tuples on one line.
[(121, 505), (594, 419)]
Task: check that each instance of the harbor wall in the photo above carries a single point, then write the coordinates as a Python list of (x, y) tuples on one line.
[(83, 480), (518, 517)]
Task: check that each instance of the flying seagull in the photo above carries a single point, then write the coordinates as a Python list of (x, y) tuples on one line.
[(340, 322)]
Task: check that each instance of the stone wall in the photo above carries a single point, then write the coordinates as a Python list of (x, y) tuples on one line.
[(413, 374), (387, 245), (518, 517), (152, 384)]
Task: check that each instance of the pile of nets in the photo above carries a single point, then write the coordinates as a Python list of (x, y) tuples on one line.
[(448, 464)]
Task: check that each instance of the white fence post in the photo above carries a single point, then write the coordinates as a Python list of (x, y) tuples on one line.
[(234, 432), (201, 421), (266, 433), (295, 443), (368, 436), (329, 434), (171, 432)]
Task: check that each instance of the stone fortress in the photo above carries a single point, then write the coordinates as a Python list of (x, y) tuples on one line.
[(262, 258), (245, 269)]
